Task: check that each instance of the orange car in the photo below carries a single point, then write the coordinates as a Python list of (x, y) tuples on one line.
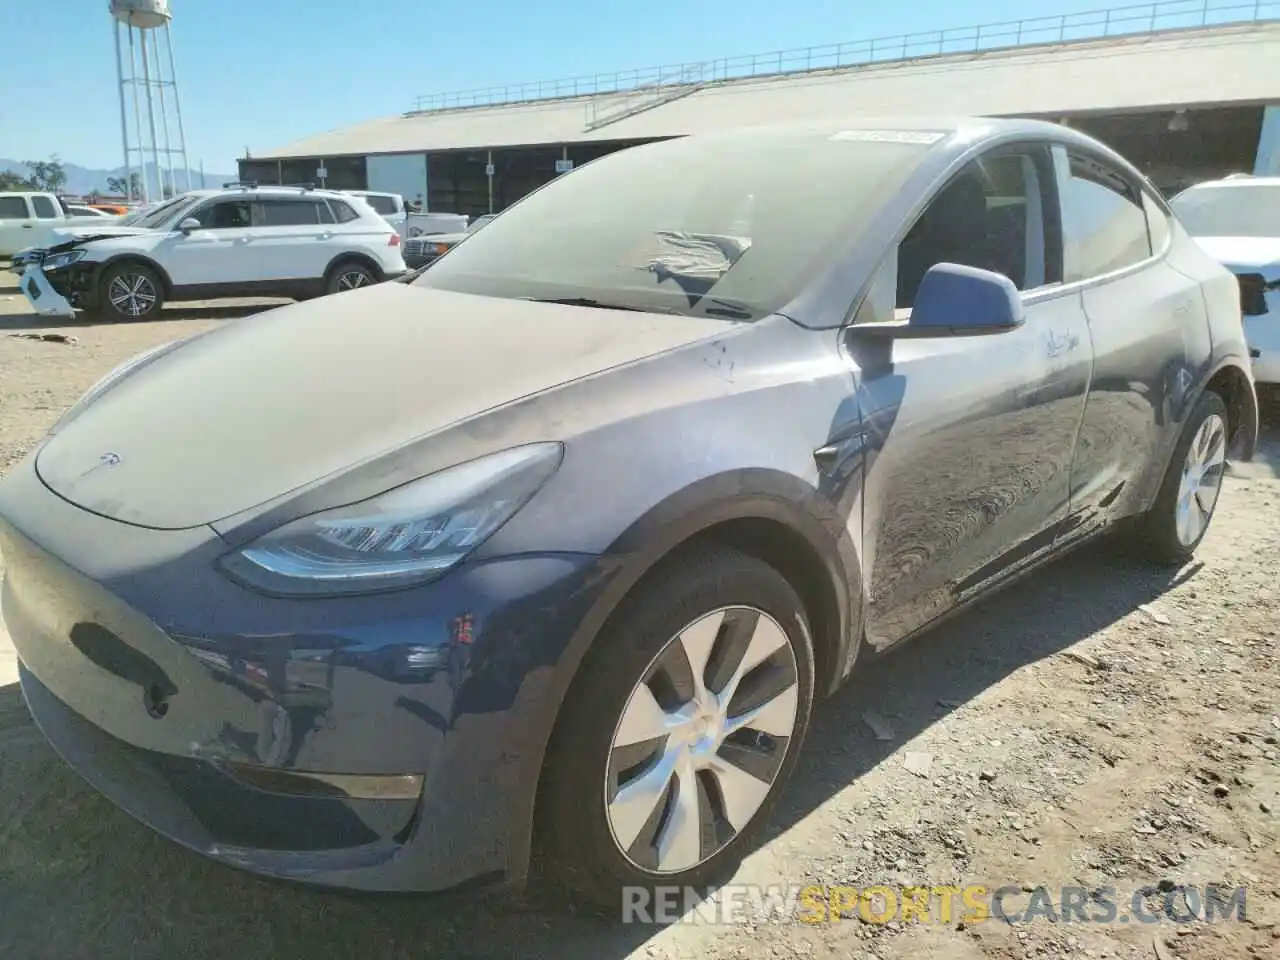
[(118, 209)]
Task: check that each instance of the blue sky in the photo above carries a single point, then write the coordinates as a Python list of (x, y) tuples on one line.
[(262, 73)]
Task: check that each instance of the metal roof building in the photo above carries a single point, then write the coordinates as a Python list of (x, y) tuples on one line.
[(1178, 86)]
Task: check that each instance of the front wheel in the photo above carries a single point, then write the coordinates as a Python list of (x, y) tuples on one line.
[(680, 730), (130, 291), (350, 276), (1172, 529)]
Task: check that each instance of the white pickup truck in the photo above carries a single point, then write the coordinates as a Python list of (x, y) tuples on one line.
[(29, 219)]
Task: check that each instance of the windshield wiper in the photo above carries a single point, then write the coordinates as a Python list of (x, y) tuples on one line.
[(588, 302)]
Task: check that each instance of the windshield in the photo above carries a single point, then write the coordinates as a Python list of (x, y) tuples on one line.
[(1240, 210), (729, 225), (157, 216)]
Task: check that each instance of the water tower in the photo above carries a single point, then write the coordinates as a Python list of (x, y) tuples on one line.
[(150, 111)]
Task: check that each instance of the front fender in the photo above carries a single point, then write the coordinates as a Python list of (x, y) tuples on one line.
[(681, 519)]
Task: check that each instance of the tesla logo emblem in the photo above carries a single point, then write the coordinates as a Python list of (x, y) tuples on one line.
[(106, 460)]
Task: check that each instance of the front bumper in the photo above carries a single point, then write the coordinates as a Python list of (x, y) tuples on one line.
[(201, 709), (41, 292)]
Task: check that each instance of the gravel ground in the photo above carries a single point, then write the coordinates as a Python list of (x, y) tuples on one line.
[(1099, 724)]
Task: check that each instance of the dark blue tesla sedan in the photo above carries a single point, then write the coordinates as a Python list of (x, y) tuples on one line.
[(553, 548)]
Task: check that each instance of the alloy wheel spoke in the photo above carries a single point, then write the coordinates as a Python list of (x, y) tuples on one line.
[(775, 716), (740, 792), (644, 719), (679, 841), (638, 800), (766, 639), (697, 642)]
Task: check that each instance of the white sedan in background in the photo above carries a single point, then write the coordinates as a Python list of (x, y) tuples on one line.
[(1237, 220)]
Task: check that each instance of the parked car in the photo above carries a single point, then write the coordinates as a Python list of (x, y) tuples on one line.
[(244, 241), (30, 218), (390, 206), (661, 467), (423, 250), (1237, 220), (428, 224), (83, 210)]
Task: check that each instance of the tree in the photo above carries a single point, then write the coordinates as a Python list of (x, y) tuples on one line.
[(47, 175), (127, 188), (14, 181)]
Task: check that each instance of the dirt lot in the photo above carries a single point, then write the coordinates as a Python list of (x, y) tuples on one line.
[(1098, 725)]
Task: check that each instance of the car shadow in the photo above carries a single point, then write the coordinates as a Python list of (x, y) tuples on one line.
[(78, 876)]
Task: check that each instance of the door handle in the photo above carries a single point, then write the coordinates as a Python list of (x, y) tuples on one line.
[(28, 226)]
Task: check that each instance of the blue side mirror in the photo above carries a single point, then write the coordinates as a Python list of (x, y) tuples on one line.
[(955, 301)]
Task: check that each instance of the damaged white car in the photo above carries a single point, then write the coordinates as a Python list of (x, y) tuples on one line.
[(241, 241), (1237, 220)]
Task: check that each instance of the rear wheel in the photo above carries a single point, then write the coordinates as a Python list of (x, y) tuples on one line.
[(1172, 529), (349, 275), (130, 291), (679, 732)]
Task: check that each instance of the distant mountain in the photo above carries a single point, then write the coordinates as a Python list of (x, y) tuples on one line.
[(83, 180)]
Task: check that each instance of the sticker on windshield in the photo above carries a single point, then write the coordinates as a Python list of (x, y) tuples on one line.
[(889, 136)]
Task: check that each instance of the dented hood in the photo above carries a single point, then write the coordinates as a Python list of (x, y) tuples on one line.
[(276, 401)]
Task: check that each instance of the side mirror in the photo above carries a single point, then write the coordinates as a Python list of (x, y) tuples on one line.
[(956, 301), (189, 224)]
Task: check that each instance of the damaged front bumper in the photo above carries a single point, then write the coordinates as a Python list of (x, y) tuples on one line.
[(44, 297)]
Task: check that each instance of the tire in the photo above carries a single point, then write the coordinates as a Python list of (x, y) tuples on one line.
[(595, 760), (129, 291), (349, 275), (1169, 533)]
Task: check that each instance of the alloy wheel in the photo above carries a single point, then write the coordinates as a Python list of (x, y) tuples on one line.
[(701, 740), (1201, 480), (352, 279), (132, 294)]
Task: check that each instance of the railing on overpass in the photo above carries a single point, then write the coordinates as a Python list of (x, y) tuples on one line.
[(1127, 21)]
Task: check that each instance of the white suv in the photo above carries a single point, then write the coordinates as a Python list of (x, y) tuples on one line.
[(241, 241)]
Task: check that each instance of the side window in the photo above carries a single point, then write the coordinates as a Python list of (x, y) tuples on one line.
[(998, 214), (226, 215), (382, 204), (1106, 222), (342, 211), (45, 209), (324, 212), (289, 213), (13, 208), (1157, 223)]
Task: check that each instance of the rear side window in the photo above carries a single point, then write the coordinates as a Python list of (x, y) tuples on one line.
[(1106, 222), (13, 208), (343, 211), (384, 205), (289, 213), (44, 208)]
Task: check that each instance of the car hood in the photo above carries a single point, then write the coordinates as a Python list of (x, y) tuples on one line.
[(99, 230), (277, 401), (1245, 254)]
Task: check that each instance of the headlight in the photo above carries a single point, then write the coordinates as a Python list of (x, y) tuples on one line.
[(59, 260), (403, 537), (111, 379)]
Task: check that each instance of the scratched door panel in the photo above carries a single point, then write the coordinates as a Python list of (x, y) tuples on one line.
[(1146, 326), (976, 477)]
